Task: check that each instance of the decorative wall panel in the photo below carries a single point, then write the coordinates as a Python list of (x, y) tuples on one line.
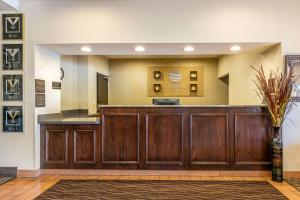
[(12, 26), (175, 81), (12, 119), (12, 87), (12, 56)]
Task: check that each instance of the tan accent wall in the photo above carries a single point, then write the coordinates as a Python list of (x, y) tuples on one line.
[(242, 90), (128, 81)]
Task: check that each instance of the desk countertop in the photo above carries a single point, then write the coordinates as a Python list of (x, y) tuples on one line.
[(70, 117)]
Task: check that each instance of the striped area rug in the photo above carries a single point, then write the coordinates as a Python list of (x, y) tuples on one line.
[(4, 179), (158, 190)]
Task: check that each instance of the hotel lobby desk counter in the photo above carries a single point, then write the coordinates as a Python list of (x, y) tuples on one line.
[(61, 132), (163, 137), (69, 117)]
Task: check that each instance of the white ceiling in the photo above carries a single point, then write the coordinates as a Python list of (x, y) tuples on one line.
[(5, 6), (116, 50)]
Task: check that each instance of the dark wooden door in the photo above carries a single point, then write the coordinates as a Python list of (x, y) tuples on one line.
[(102, 89)]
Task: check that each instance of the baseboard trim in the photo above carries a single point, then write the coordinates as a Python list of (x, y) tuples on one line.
[(29, 173), (87, 172), (291, 174), (155, 173)]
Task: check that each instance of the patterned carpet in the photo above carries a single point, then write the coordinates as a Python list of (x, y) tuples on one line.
[(4, 179), (294, 182), (158, 190)]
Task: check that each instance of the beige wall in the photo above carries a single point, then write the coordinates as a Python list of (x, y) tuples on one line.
[(82, 82), (47, 64), (128, 81), (79, 86), (241, 75), (96, 64), (69, 92)]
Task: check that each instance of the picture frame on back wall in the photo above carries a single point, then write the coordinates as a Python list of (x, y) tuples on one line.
[(12, 87), (13, 119), (12, 56), (12, 26), (294, 61)]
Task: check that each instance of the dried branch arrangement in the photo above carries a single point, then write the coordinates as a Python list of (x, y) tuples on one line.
[(276, 91)]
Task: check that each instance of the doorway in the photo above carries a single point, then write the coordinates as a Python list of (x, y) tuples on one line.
[(102, 89)]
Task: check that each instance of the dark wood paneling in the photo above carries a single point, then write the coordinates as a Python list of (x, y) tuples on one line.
[(60, 142), (120, 138), (85, 146), (253, 135), (209, 139), (203, 138), (57, 146), (164, 139)]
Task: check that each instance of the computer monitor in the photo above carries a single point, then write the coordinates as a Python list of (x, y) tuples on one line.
[(166, 101)]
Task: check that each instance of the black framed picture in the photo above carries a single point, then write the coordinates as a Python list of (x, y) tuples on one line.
[(12, 56), (12, 26), (12, 87), (12, 119)]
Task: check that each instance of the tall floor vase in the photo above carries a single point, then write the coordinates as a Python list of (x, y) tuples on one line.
[(277, 156)]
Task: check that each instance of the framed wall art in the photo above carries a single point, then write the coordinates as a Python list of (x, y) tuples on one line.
[(12, 56), (168, 81), (12, 26), (40, 96), (12, 119), (40, 100), (294, 61), (39, 86), (56, 85), (12, 87)]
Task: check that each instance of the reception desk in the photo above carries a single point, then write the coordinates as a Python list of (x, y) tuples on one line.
[(162, 137)]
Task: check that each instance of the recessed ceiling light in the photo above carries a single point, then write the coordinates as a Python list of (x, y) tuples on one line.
[(139, 49), (188, 49), (235, 48), (86, 49)]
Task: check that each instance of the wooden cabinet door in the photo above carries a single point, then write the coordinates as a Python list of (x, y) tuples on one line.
[(120, 140), (164, 140), (86, 146), (253, 136), (55, 148), (209, 140)]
